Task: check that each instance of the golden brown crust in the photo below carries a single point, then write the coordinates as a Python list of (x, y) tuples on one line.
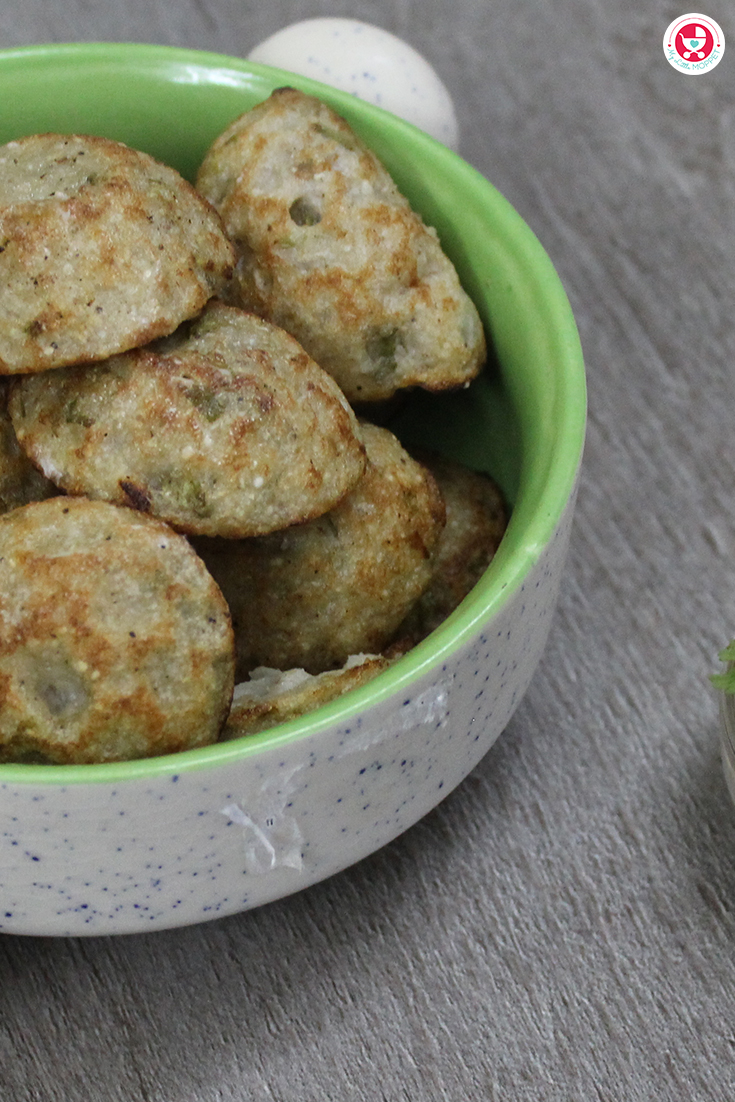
[(225, 428), (330, 250), (102, 249), (316, 593), (115, 643), (476, 521), (20, 481)]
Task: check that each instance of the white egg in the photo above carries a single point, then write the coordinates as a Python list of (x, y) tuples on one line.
[(368, 62)]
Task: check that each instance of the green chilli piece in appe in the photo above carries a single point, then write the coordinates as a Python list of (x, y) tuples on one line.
[(210, 404), (382, 347)]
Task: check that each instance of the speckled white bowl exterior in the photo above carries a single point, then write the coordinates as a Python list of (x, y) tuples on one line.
[(149, 845), (189, 844)]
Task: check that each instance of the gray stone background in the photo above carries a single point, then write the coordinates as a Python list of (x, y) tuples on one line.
[(562, 927)]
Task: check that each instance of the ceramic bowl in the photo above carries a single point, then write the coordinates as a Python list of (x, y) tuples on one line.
[(154, 844)]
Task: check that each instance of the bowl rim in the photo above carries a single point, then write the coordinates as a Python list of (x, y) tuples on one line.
[(507, 572)]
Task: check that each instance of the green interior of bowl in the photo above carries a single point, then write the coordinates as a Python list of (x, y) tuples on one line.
[(522, 421)]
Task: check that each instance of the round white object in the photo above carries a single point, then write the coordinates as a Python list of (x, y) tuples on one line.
[(369, 62)]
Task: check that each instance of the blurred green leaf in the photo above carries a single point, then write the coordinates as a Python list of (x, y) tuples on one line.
[(725, 682)]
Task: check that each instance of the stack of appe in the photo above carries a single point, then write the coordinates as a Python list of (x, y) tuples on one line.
[(189, 497)]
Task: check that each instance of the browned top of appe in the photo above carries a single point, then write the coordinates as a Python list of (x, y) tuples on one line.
[(102, 248), (225, 428), (314, 594), (115, 642), (329, 249)]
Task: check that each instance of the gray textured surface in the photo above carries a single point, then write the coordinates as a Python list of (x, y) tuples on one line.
[(563, 926)]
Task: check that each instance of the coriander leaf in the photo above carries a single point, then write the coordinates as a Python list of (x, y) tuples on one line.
[(725, 682)]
